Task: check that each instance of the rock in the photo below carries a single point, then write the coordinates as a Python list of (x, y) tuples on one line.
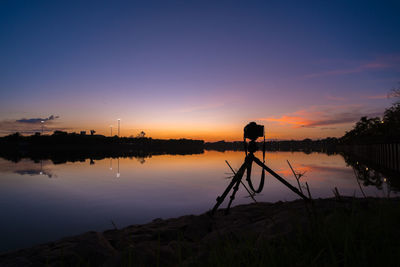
[(172, 241)]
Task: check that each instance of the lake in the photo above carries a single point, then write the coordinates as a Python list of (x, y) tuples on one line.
[(42, 201)]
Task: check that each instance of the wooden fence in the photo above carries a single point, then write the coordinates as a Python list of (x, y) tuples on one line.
[(383, 155)]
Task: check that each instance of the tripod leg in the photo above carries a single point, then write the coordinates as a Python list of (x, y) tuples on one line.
[(291, 187), (245, 187), (235, 189), (248, 173), (238, 176)]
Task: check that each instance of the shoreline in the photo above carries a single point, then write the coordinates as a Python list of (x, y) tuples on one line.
[(185, 239)]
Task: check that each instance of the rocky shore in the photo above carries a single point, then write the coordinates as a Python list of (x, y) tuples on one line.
[(180, 241)]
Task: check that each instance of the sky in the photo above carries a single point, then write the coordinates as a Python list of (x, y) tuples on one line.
[(196, 69)]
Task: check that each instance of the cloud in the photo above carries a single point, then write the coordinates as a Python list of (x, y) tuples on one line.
[(341, 119), (330, 169), (377, 96), (33, 172), (37, 120), (314, 168), (386, 62), (27, 167), (30, 125), (317, 116), (291, 120)]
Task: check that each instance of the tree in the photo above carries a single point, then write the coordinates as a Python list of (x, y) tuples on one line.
[(395, 93), (371, 130), (141, 135)]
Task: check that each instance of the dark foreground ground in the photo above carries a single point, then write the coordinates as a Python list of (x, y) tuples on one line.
[(331, 232)]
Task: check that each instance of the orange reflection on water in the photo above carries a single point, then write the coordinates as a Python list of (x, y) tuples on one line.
[(87, 195)]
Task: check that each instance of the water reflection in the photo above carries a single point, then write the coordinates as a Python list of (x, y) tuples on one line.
[(141, 159), (65, 156), (28, 167), (372, 175), (88, 196), (118, 173)]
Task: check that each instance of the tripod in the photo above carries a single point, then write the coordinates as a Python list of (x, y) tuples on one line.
[(237, 178)]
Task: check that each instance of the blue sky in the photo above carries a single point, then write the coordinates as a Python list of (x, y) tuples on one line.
[(197, 69)]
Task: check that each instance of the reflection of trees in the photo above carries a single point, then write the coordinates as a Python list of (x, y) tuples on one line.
[(141, 159), (327, 145), (371, 175), (61, 157), (368, 176)]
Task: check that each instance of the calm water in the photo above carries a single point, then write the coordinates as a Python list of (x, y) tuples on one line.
[(42, 202)]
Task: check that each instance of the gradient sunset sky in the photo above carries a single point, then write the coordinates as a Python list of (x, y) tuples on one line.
[(197, 69)]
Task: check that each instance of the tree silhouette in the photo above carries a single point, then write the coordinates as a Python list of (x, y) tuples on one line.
[(376, 130), (395, 92), (141, 135)]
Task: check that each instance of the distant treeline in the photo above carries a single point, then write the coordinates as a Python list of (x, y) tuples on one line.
[(73, 144), (307, 145), (63, 146), (59, 138)]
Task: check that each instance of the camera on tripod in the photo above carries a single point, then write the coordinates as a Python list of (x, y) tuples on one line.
[(252, 131)]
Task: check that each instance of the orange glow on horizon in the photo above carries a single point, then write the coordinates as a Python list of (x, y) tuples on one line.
[(295, 126), (292, 120), (212, 133)]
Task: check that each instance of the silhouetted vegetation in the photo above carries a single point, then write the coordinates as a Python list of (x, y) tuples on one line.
[(359, 233), (375, 142), (377, 130), (62, 146), (327, 145)]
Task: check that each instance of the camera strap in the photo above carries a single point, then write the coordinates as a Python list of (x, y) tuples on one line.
[(249, 166), (248, 172), (261, 186)]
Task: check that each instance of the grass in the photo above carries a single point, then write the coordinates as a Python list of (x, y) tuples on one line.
[(364, 234), (356, 232)]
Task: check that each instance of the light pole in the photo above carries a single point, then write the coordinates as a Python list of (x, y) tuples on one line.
[(42, 125), (119, 121), (111, 130)]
